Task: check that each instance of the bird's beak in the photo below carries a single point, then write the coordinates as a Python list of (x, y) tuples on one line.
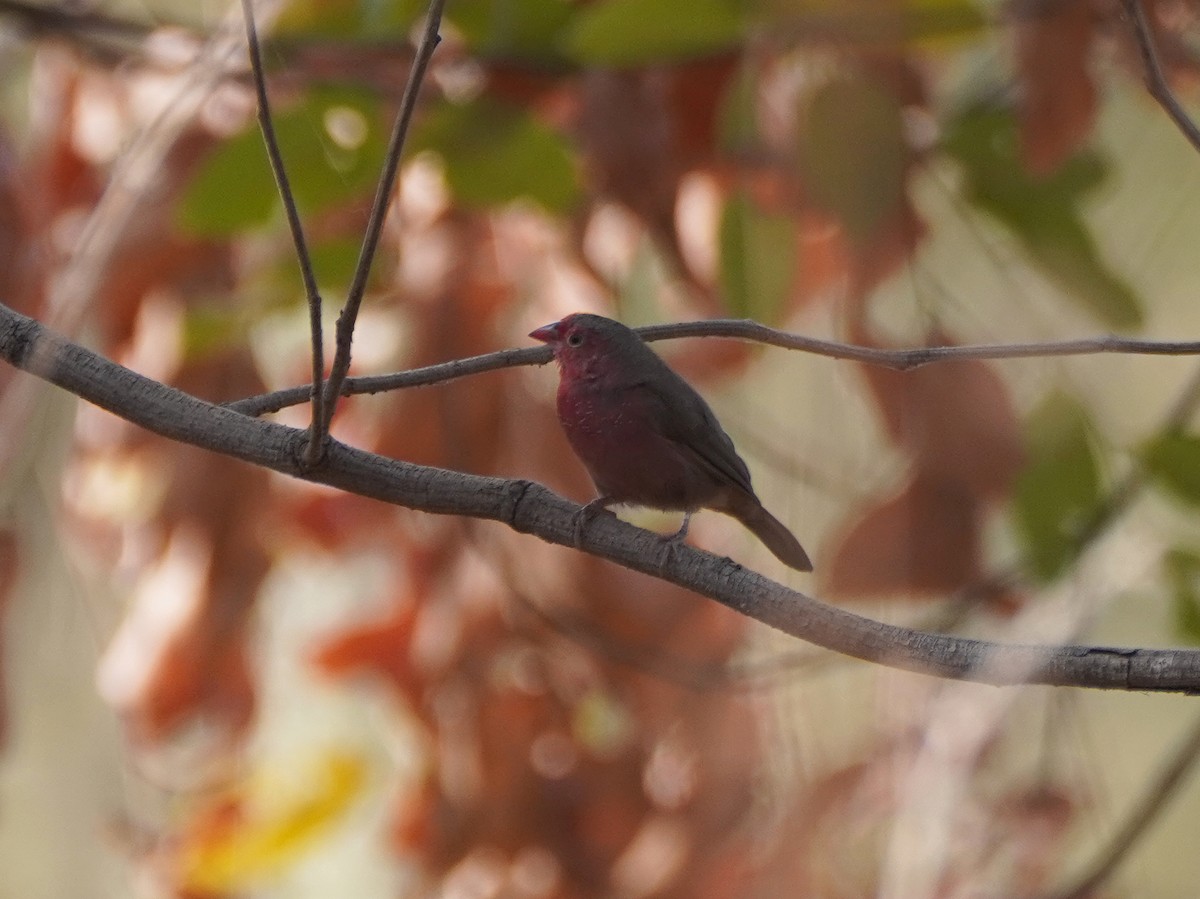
[(547, 333)]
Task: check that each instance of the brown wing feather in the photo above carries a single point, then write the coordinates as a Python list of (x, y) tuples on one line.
[(684, 418)]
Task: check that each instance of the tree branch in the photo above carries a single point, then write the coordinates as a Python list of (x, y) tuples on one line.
[(898, 359), (383, 194), (1163, 789), (1156, 79), (267, 124), (105, 36), (533, 509)]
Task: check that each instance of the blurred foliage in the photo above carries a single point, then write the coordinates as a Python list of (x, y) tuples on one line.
[(253, 830), (1173, 459), (494, 153), (1059, 492), (1043, 213), (758, 259), (554, 725), (527, 30), (1183, 569), (632, 33), (855, 155), (323, 169), (371, 21)]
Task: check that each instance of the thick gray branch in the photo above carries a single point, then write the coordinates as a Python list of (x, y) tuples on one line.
[(531, 508)]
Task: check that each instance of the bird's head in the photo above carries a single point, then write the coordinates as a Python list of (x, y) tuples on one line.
[(582, 343)]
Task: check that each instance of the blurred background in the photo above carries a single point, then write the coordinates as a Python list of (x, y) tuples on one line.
[(219, 682)]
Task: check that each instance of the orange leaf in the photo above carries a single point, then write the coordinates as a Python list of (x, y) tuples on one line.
[(1058, 96), (381, 647), (925, 539), (956, 421)]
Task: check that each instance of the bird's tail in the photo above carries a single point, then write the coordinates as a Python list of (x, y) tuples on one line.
[(772, 532)]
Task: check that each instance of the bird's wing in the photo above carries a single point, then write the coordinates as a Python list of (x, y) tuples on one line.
[(683, 417)]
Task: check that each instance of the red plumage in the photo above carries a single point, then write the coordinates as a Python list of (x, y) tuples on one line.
[(646, 437)]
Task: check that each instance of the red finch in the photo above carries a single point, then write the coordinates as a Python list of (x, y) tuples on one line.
[(646, 437)]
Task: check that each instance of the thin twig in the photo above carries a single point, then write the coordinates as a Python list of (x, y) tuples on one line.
[(349, 316), (1156, 79), (103, 36), (915, 357), (898, 359), (255, 406), (271, 140), (1152, 804)]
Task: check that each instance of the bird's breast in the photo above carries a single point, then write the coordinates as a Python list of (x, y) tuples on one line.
[(626, 453)]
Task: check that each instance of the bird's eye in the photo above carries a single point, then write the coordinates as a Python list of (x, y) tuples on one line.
[(574, 338)]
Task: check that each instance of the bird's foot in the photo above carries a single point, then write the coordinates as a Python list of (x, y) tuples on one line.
[(672, 542), (598, 506), (680, 535)]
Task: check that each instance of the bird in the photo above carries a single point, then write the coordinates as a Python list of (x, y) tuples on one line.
[(646, 437)]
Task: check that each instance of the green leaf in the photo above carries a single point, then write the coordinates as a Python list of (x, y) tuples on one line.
[(373, 19), (737, 116), (232, 191), (334, 262), (1058, 494), (1183, 571), (1174, 461), (212, 328), (928, 22), (332, 148), (855, 154), (937, 20), (642, 32), (758, 259), (530, 30), (495, 153), (1042, 213)]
